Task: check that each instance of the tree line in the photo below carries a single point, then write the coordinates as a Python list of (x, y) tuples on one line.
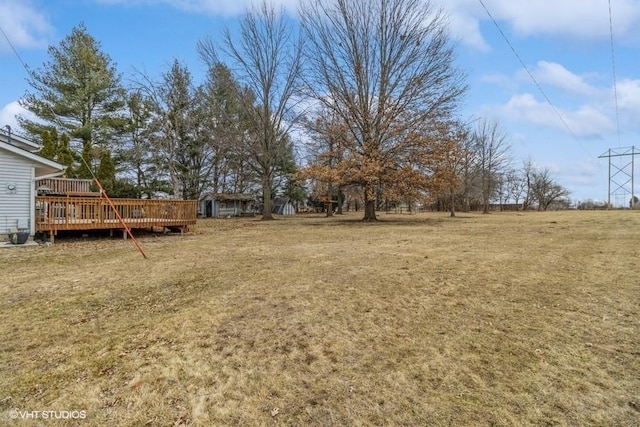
[(359, 103)]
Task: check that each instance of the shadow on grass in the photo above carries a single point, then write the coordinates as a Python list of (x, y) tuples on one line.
[(99, 234), (348, 220), (382, 220)]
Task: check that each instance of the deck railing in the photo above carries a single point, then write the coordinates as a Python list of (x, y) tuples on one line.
[(57, 213), (63, 186)]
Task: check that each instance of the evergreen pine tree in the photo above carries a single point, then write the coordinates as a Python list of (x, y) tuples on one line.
[(49, 144), (78, 92), (65, 156), (106, 172)]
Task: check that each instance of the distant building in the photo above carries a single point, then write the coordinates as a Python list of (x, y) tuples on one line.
[(224, 205), (282, 206)]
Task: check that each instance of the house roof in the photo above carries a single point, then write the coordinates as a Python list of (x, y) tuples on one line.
[(43, 166), (227, 196), (280, 201), (18, 141)]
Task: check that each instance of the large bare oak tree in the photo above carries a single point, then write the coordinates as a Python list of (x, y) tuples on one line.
[(386, 69)]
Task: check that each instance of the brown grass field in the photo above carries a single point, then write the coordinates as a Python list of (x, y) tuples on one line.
[(506, 319)]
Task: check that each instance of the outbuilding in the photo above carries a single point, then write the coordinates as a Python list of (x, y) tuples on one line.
[(223, 205), (282, 206)]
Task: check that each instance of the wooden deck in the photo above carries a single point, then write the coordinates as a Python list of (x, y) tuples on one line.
[(60, 213), (65, 187)]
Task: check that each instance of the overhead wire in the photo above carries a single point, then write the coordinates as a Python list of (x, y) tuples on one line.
[(548, 100), (14, 49), (613, 70), (26, 68)]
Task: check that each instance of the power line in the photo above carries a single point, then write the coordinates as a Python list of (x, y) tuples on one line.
[(613, 68), (26, 68), (14, 50), (555, 110)]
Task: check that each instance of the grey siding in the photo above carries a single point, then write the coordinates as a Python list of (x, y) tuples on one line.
[(15, 207)]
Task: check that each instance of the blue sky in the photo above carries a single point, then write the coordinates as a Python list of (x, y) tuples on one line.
[(565, 44)]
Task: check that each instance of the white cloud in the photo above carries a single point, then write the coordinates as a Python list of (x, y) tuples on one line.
[(581, 19), (8, 115), (629, 95), (554, 74), (466, 28), (23, 24), (464, 23), (578, 19), (588, 109), (586, 121), (218, 7)]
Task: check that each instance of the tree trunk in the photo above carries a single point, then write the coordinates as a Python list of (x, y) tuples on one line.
[(452, 205), (485, 203), (266, 200), (329, 207), (370, 210), (340, 201), (369, 205)]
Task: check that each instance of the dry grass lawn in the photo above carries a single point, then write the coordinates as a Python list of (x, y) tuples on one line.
[(503, 319)]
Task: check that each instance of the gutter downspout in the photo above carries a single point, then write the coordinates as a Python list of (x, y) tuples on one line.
[(32, 203)]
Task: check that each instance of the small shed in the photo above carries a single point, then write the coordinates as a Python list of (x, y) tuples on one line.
[(224, 205), (282, 206), (20, 168)]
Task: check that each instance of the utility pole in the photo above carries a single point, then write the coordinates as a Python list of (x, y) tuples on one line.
[(621, 175)]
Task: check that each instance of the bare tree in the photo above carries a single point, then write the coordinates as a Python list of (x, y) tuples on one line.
[(267, 59), (502, 190), (386, 69), (469, 172), (226, 121), (492, 150), (528, 170), (516, 186), (546, 190)]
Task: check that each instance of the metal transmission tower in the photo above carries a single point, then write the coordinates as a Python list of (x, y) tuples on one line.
[(621, 174)]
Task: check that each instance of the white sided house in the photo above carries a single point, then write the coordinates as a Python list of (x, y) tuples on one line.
[(20, 167)]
